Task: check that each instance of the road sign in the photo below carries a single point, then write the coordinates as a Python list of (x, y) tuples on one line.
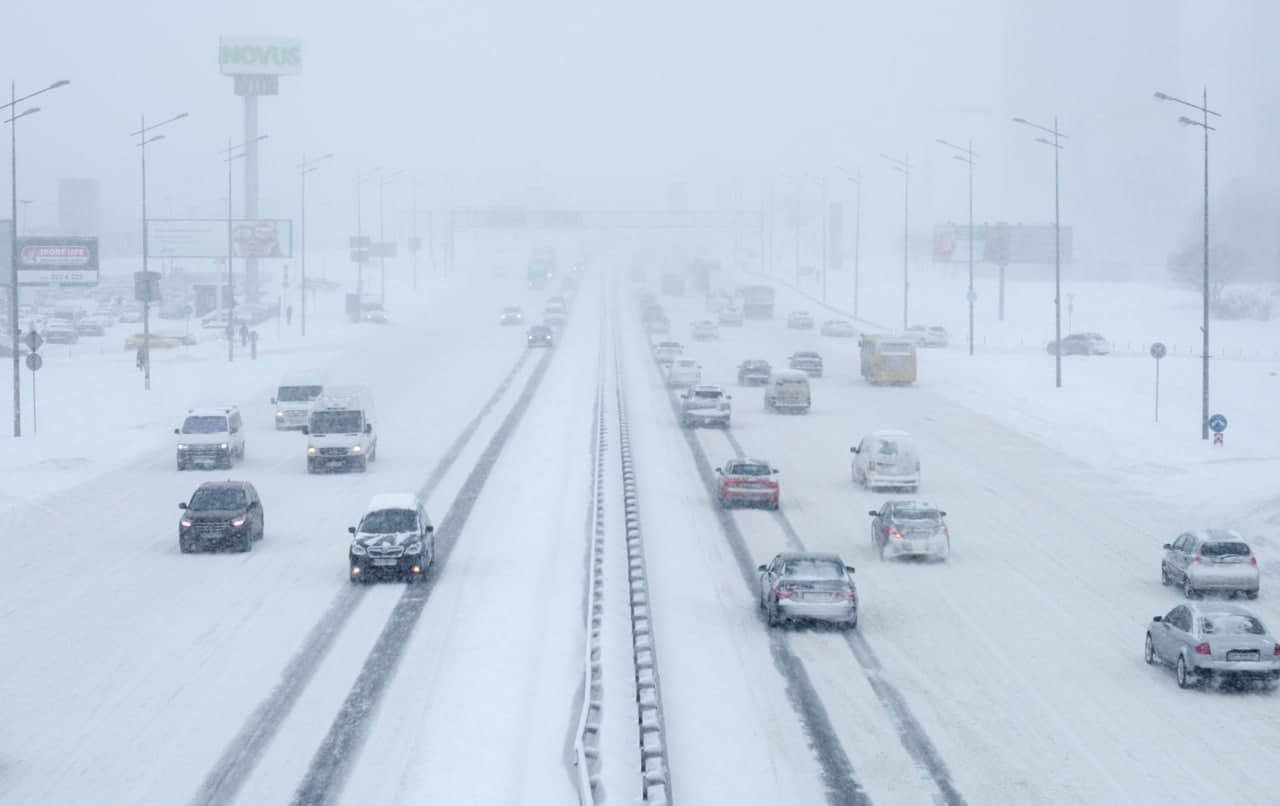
[(34, 362), (188, 311), (1158, 350), (972, 295), (33, 340), (1217, 423)]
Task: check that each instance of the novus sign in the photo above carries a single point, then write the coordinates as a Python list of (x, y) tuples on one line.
[(259, 56)]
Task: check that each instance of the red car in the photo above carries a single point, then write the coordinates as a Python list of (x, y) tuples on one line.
[(747, 481)]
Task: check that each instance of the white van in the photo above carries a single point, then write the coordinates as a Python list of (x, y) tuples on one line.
[(210, 437), (294, 398), (684, 372), (340, 431), (787, 390), (886, 459)]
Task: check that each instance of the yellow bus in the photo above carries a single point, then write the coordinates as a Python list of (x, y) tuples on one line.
[(888, 359)]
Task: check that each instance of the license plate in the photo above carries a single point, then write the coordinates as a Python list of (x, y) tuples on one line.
[(818, 597), (1242, 655), (384, 563)]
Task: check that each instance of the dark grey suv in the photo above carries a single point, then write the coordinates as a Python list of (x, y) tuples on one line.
[(221, 513)]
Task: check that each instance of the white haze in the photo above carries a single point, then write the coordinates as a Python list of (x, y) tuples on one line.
[(587, 104)]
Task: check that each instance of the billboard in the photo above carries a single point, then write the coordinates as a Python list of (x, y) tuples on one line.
[(56, 261), (1002, 244), (259, 56), (207, 238)]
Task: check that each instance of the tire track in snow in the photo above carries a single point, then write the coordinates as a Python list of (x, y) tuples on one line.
[(232, 769), (332, 762)]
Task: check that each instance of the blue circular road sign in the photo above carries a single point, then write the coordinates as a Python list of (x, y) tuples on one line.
[(1217, 423), (188, 311), (1158, 350)]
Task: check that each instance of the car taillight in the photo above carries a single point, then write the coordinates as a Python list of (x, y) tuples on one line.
[(850, 594), (724, 407), (917, 467), (771, 484), (871, 465), (785, 593), (1202, 648), (894, 534), (1253, 561), (1196, 559), (1277, 651)]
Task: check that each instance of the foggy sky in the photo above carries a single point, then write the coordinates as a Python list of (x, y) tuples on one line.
[(576, 103)]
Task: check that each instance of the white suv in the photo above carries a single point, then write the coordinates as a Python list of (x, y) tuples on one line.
[(210, 437)]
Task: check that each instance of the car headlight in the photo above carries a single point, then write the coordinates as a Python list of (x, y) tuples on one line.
[(311, 451), (358, 550), (355, 449), (413, 548), (183, 446), (222, 445), (238, 522), (184, 523), (279, 414)]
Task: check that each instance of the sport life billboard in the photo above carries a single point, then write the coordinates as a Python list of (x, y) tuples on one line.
[(259, 56), (207, 238), (56, 261)]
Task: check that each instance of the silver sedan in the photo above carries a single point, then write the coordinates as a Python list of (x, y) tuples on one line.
[(1210, 560), (1218, 639), (808, 586)]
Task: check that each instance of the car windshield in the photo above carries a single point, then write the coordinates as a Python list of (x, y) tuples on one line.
[(808, 356), (748, 469), (335, 422), (1231, 624), (887, 448), (389, 521), (813, 569), (217, 498), (755, 365), (212, 424), (920, 516), (709, 394), (298, 394), (1233, 549), (895, 348)]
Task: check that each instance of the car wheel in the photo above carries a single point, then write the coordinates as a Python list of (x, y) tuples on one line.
[(311, 466), (362, 465), (1187, 589), (1251, 594), (773, 505), (182, 466), (851, 625), (185, 546), (771, 616), (246, 542), (1183, 675), (1149, 651)]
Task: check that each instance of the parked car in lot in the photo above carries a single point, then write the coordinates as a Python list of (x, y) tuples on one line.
[(808, 362), (684, 372), (395, 538), (131, 313), (61, 331), (753, 372), (800, 320), (667, 351), (92, 327), (705, 405), (747, 482), (1080, 344), (838, 328), (1211, 560), (511, 316), (221, 513), (910, 529), (808, 586), (787, 390), (540, 336), (704, 330), (1203, 641), (731, 317), (928, 335), (886, 459)]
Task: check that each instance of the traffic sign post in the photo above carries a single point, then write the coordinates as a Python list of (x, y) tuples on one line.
[(34, 362), (1158, 351), (1217, 424)]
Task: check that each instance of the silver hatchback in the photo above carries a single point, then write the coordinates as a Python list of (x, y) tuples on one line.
[(808, 586), (1211, 560), (1214, 639)]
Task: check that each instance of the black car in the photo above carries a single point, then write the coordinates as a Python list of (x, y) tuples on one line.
[(221, 513), (808, 362), (540, 336), (753, 372)]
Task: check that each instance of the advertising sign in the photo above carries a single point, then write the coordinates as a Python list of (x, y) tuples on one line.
[(259, 56), (1002, 244), (207, 238), (57, 261)]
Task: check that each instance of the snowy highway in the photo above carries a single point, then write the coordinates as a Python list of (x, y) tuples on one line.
[(1012, 673)]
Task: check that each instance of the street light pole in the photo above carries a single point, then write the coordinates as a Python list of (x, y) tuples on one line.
[(967, 156), (1203, 123), (903, 166), (305, 167), (856, 178), (144, 138), (1057, 147), (231, 157), (14, 328)]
